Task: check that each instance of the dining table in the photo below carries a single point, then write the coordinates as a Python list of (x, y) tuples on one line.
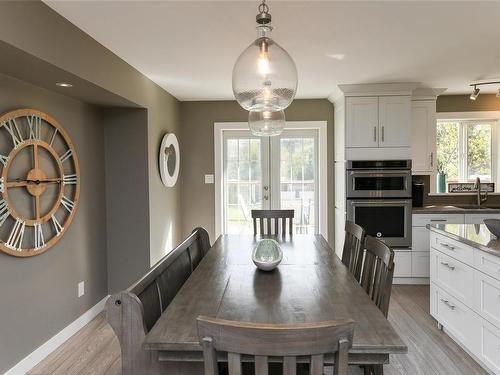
[(311, 284)]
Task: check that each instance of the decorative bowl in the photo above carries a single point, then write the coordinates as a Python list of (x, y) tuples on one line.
[(267, 255), (493, 226)]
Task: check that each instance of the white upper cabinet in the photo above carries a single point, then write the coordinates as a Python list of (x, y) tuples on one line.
[(361, 122), (394, 113), (423, 136), (378, 121)]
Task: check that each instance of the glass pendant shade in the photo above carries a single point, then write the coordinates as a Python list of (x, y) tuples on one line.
[(266, 123), (264, 76)]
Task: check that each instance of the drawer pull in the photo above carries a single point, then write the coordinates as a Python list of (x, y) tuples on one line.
[(447, 246), (447, 265), (439, 220), (447, 303)]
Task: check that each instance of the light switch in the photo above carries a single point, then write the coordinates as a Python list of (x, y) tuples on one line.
[(209, 178), (81, 288)]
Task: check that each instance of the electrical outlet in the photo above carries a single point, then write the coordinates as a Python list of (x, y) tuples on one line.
[(81, 288)]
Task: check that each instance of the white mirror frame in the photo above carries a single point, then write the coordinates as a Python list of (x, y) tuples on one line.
[(168, 179)]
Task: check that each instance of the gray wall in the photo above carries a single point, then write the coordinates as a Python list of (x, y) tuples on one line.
[(126, 141), (39, 294), (197, 150)]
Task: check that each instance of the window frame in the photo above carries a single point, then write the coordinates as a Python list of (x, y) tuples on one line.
[(463, 144)]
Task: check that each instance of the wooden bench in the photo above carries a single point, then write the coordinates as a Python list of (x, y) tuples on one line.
[(134, 311)]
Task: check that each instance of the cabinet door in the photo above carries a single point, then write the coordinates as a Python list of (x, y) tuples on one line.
[(402, 263), (394, 121), (420, 264), (362, 122), (423, 136)]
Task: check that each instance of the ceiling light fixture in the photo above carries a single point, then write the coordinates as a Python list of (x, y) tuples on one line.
[(265, 79), (474, 94), (64, 84)]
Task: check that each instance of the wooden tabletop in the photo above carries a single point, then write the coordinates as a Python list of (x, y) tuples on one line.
[(310, 285)]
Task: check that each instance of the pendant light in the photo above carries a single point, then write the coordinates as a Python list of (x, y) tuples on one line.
[(265, 76), (266, 123)]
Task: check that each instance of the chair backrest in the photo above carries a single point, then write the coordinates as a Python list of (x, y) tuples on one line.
[(134, 311), (378, 272), (272, 215), (352, 255), (266, 340)]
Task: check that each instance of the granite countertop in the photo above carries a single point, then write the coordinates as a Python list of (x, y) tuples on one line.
[(461, 209), (475, 235)]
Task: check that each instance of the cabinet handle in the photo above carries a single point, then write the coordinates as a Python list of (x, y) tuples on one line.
[(374, 134), (432, 159), (447, 303), (447, 246), (439, 220), (448, 265), (383, 133)]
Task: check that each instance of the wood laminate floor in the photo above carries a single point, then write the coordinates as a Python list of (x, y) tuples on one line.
[(95, 349)]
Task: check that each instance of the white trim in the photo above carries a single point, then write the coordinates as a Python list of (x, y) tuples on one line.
[(475, 115), (321, 126), (35, 357)]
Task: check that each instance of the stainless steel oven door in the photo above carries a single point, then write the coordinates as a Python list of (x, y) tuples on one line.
[(378, 184), (386, 219)]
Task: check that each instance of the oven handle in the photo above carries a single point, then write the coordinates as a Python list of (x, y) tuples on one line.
[(375, 172), (390, 202)]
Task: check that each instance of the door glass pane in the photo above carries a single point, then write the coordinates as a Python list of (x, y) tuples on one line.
[(298, 180), (479, 152), (242, 183)]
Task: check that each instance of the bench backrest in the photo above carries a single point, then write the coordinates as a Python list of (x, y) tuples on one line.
[(134, 311)]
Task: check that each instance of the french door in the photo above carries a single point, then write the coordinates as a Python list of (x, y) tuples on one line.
[(269, 173)]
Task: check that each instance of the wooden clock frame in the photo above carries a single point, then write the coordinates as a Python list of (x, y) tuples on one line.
[(37, 130)]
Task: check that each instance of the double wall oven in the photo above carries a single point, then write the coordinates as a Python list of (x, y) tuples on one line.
[(379, 199)]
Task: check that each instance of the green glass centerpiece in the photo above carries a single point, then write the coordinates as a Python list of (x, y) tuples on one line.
[(267, 255)]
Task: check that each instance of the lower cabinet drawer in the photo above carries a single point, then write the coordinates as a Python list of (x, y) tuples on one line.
[(452, 248), (420, 264), (454, 276), (489, 347), (460, 321), (402, 263), (487, 297), (488, 263)]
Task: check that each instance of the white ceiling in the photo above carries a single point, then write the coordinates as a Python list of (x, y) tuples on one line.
[(189, 47)]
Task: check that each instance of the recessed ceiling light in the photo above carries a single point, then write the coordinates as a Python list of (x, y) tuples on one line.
[(64, 84), (337, 56)]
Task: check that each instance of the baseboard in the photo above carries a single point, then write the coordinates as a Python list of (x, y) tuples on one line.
[(411, 281), (35, 357)]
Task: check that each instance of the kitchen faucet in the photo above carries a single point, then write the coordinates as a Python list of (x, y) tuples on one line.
[(477, 187)]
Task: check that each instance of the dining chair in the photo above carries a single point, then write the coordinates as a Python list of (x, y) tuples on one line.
[(378, 271), (288, 341), (352, 255), (376, 280), (272, 215)]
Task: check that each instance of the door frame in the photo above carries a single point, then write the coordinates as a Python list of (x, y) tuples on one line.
[(320, 126)]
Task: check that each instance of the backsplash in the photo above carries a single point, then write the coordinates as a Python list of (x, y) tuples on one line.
[(450, 200)]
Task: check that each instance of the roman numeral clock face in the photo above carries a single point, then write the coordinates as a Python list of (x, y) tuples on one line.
[(39, 183)]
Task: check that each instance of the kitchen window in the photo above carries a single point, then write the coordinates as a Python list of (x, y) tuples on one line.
[(466, 150)]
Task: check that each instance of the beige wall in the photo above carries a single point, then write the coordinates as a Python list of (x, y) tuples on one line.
[(462, 103), (197, 154)]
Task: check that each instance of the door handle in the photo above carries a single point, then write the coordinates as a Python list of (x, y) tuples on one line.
[(266, 188), (383, 133), (265, 197), (374, 134)]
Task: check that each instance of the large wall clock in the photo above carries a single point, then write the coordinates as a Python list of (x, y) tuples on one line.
[(39, 183)]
